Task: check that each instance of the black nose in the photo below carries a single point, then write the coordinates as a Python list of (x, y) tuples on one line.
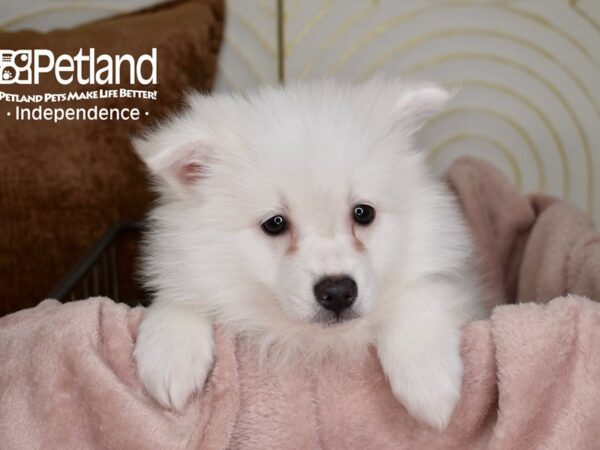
[(336, 293)]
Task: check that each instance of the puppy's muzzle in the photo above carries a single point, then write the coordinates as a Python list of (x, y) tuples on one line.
[(336, 293)]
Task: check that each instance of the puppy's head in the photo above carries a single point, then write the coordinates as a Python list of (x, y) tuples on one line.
[(289, 207)]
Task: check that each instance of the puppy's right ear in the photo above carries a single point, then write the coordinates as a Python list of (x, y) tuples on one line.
[(177, 154), (417, 103)]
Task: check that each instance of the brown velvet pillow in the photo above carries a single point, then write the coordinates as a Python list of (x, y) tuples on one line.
[(63, 184)]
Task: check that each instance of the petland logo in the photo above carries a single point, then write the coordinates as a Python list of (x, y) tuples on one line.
[(27, 66)]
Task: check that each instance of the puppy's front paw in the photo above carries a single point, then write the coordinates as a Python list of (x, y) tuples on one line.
[(427, 384), (174, 353)]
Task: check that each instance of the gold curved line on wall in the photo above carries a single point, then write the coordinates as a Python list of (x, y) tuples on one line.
[(549, 25), (506, 119), (494, 33), (242, 56), (339, 32), (481, 32), (536, 76), (375, 32), (59, 8), (444, 33), (259, 37), (438, 148), (307, 28), (406, 16), (537, 111), (581, 12)]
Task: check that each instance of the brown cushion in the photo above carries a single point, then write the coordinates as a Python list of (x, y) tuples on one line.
[(63, 184)]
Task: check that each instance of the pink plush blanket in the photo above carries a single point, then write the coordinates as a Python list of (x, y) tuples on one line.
[(532, 372)]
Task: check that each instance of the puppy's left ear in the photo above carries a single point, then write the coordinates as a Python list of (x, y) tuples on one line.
[(417, 103), (177, 154)]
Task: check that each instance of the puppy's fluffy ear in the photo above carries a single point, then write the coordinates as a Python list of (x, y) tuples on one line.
[(176, 153), (417, 103)]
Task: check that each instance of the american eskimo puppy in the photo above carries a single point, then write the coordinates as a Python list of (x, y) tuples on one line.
[(305, 219)]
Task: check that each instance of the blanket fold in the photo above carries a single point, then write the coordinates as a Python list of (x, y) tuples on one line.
[(532, 371)]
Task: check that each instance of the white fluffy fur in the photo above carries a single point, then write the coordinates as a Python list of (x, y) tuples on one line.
[(310, 152)]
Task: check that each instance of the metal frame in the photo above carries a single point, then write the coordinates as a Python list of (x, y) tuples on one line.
[(97, 271)]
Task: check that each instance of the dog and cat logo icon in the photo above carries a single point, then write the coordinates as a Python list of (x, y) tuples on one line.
[(15, 66)]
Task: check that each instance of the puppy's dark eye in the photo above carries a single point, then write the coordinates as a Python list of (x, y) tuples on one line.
[(363, 214), (275, 225)]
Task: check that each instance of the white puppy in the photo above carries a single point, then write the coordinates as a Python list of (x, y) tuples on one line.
[(305, 219)]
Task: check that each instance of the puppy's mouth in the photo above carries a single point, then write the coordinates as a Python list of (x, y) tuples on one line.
[(329, 318)]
